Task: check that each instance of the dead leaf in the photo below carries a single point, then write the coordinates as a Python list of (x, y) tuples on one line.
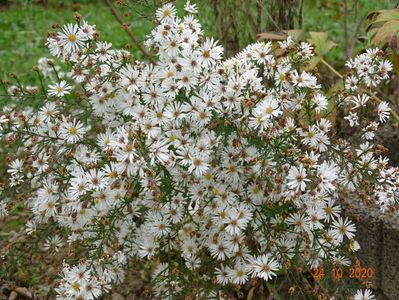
[(272, 36)]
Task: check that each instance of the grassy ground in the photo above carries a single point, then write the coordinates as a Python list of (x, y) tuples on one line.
[(23, 30), (23, 27)]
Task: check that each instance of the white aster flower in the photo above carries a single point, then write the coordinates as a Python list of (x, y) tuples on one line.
[(59, 89), (364, 295), (71, 38), (297, 178), (383, 111)]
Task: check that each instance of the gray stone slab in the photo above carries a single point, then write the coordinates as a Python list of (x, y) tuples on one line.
[(390, 254), (378, 236)]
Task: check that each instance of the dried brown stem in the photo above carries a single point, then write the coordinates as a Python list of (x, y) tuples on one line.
[(356, 26), (346, 31), (350, 40), (129, 33), (259, 15)]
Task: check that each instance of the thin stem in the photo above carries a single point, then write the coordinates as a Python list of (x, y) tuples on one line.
[(300, 15), (332, 68), (356, 26), (55, 72), (129, 33), (41, 83), (346, 36), (19, 85), (271, 18), (258, 16), (5, 88)]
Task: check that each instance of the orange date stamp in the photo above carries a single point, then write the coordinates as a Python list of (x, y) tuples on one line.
[(338, 273)]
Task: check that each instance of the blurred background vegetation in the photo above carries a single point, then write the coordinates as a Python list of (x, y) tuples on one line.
[(24, 24)]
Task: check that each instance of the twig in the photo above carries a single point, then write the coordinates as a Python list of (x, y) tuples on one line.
[(300, 16), (356, 27), (332, 68), (346, 36), (351, 40), (129, 33), (259, 16), (271, 18)]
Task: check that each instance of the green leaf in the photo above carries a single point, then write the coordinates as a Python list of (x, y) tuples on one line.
[(313, 62), (296, 34), (321, 42)]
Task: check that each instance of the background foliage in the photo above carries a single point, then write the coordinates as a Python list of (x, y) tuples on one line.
[(24, 25)]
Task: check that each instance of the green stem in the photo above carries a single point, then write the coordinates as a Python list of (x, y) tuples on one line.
[(331, 68)]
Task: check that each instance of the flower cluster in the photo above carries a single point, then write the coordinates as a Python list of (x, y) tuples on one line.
[(221, 170), (89, 282)]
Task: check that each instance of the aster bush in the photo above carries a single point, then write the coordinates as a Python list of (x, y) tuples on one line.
[(220, 171)]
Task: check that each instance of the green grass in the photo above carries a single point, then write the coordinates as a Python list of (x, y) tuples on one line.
[(24, 26), (23, 31)]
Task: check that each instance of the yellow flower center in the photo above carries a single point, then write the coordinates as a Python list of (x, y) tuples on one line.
[(166, 12), (169, 74), (72, 38), (269, 110), (76, 286), (73, 130), (208, 176)]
